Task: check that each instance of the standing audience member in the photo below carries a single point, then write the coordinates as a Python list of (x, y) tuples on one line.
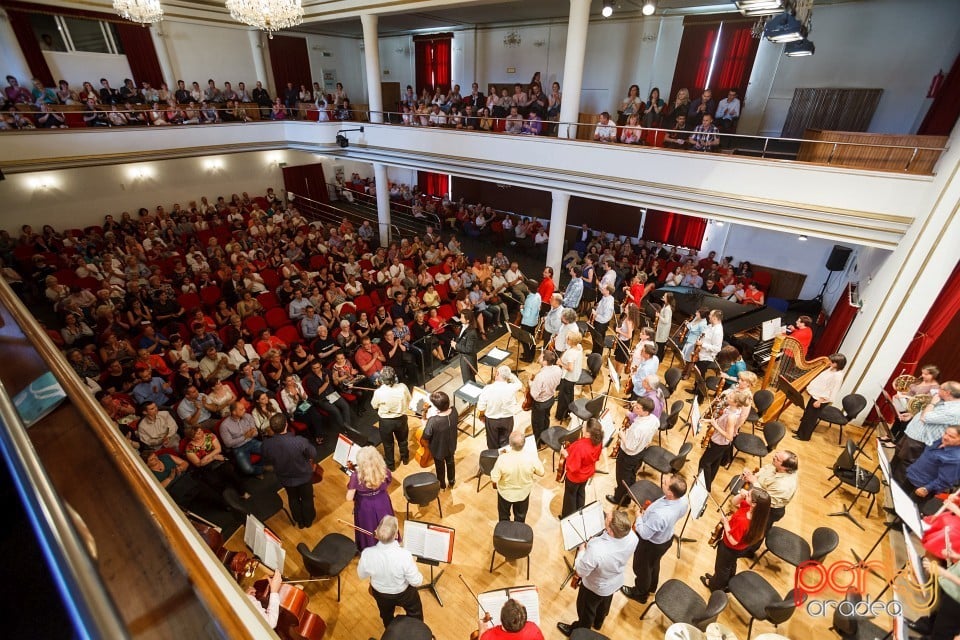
[(292, 458)]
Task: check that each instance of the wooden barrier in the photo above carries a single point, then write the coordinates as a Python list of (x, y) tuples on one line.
[(901, 156)]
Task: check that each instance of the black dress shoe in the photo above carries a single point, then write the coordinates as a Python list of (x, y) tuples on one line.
[(633, 594), (565, 628), (705, 580), (612, 500)]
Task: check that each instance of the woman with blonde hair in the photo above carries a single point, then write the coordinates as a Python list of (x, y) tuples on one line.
[(367, 489)]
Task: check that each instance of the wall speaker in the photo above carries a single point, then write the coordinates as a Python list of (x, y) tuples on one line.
[(838, 258)]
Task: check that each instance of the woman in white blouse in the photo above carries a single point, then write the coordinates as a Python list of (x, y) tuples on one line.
[(823, 392)]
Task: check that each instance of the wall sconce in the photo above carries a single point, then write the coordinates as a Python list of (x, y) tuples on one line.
[(41, 183), (512, 39), (138, 174), (274, 160), (213, 166)]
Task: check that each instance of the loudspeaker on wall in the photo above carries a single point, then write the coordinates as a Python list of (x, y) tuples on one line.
[(838, 258)]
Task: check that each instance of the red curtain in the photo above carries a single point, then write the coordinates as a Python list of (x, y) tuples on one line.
[(432, 57), (735, 56), (290, 62), (693, 60), (20, 21), (674, 228), (837, 326), (141, 55), (943, 113), (433, 184)]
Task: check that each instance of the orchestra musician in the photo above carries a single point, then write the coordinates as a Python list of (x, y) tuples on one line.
[(625, 330), (779, 479), (601, 563), (271, 612), (695, 328), (513, 624), (731, 365), (725, 429), (929, 383), (653, 389), (802, 332), (741, 531), (654, 526), (664, 323), (440, 432), (390, 401), (649, 365), (551, 321), (529, 318), (292, 458), (928, 426), (466, 344), (571, 361), (823, 392), (711, 341), (513, 474), (581, 463), (573, 294), (543, 390), (498, 401), (394, 576), (643, 425), (601, 316)]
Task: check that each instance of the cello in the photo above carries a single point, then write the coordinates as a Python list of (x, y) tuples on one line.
[(295, 622)]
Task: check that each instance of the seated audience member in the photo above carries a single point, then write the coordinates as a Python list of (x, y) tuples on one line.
[(50, 119), (93, 116), (150, 388), (702, 106), (239, 434), (632, 133), (678, 139), (753, 295), (605, 131), (533, 125), (514, 123), (156, 429), (705, 136), (937, 470), (728, 111)]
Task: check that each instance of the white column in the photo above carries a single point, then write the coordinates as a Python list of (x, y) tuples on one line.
[(383, 201), (573, 66), (558, 231), (13, 59), (908, 284), (259, 66), (371, 55), (163, 56)]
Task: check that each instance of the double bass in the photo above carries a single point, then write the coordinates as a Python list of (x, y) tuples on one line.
[(295, 622), (423, 456)]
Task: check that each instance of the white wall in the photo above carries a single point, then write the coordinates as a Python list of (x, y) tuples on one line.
[(13, 61), (67, 198), (889, 44), (75, 68), (344, 62), (201, 51)]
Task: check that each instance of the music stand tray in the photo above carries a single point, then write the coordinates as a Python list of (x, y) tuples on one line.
[(469, 394), (494, 358), (522, 336)]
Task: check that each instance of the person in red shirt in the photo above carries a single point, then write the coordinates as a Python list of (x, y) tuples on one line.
[(744, 529), (581, 463), (513, 625), (753, 295), (802, 333), (547, 285), (369, 358)]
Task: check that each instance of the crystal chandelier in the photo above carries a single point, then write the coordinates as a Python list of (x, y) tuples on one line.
[(267, 15), (142, 11)]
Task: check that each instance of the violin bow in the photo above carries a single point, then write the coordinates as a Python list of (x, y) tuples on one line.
[(353, 526)]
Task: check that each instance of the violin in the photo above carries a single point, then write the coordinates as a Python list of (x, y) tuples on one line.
[(562, 465), (716, 410), (627, 383), (295, 622), (615, 451), (527, 398), (238, 563), (475, 634)]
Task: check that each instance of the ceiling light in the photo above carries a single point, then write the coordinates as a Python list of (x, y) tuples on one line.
[(783, 28), (140, 11), (799, 49), (267, 15), (649, 7), (607, 8), (802, 238), (759, 7)]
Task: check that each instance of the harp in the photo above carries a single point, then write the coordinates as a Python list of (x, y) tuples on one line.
[(788, 367)]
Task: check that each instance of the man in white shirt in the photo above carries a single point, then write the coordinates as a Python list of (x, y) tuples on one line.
[(156, 429), (216, 365), (514, 278), (711, 341), (394, 576), (601, 564), (543, 390), (823, 392), (605, 131), (728, 111), (391, 401), (637, 437), (513, 475), (498, 402), (601, 315)]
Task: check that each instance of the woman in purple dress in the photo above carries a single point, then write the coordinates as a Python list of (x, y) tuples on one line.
[(368, 490)]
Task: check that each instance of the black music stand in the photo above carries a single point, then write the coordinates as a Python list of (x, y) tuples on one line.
[(794, 396), (522, 336), (470, 394), (493, 360), (432, 562), (700, 508)]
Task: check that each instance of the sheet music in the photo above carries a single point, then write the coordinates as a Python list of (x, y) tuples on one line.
[(471, 390), (695, 417), (914, 557), (609, 428), (770, 329), (498, 354), (345, 451), (428, 541), (614, 376), (264, 543), (418, 397), (251, 532), (493, 601), (884, 462), (698, 496), (582, 525), (906, 509)]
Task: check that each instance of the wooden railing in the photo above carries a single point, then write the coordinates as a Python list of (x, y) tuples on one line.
[(883, 152)]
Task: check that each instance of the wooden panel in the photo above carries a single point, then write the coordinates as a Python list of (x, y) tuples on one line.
[(838, 109), (901, 155), (783, 284)]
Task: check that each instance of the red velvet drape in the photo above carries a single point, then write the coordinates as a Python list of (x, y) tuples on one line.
[(674, 228), (837, 326), (290, 62), (432, 58), (738, 49), (433, 184), (943, 113), (141, 54), (693, 60), (20, 22)]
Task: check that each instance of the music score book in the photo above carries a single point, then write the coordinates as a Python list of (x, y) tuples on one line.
[(493, 601), (497, 354), (429, 541), (264, 543), (418, 397), (582, 525), (345, 451)]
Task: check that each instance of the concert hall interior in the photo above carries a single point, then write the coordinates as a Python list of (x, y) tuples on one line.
[(244, 281)]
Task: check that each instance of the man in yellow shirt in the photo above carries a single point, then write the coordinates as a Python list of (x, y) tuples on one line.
[(513, 475)]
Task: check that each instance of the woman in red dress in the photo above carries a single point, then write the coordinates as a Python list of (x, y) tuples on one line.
[(741, 531)]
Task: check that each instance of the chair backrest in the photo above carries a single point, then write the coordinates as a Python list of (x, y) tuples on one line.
[(853, 404), (570, 436), (594, 362), (672, 378), (845, 461), (681, 458), (407, 628), (824, 541), (513, 540), (674, 416), (846, 625), (780, 612), (317, 567), (715, 606), (595, 406), (424, 493), (773, 433), (587, 634), (762, 400), (488, 458)]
